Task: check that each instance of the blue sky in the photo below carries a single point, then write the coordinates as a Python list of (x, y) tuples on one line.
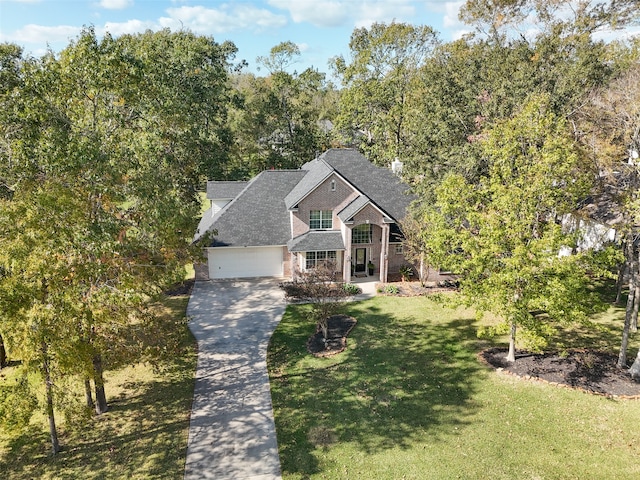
[(321, 28)]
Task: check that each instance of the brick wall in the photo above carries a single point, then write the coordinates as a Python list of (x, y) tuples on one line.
[(323, 198)]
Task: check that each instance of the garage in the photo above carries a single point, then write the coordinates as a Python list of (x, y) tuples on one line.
[(242, 262)]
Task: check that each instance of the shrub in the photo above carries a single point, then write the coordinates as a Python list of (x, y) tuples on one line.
[(352, 289), (391, 290), (406, 272)]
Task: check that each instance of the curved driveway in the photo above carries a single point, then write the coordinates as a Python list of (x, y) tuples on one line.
[(232, 432)]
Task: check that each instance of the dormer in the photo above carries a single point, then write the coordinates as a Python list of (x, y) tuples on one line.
[(222, 193)]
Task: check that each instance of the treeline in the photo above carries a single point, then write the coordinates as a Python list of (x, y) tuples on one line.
[(105, 147)]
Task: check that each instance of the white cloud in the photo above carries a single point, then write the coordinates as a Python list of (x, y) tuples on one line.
[(322, 13), (128, 27), (451, 12), (332, 13), (42, 34), (116, 4), (225, 19)]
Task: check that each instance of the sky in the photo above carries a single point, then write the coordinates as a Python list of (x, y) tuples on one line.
[(320, 28)]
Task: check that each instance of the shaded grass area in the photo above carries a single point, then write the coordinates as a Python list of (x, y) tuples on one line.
[(409, 399), (142, 436)]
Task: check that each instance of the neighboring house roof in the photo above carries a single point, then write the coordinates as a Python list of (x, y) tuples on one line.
[(317, 240), (258, 217), (221, 189)]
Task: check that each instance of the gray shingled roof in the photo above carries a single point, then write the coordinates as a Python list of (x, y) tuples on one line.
[(381, 185), (317, 240), (220, 189), (354, 207), (316, 173), (258, 217)]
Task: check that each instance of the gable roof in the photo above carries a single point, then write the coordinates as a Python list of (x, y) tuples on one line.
[(222, 189), (315, 173), (259, 216), (348, 212), (381, 185)]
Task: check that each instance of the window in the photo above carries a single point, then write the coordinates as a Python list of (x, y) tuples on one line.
[(314, 259), (332, 186), (361, 234), (398, 249), (320, 220)]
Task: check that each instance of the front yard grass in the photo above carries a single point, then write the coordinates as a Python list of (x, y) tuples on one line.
[(409, 399), (142, 436)]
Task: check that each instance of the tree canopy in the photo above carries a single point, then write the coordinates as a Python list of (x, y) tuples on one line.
[(103, 149)]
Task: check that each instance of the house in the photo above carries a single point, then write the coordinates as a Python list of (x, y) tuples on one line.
[(339, 208)]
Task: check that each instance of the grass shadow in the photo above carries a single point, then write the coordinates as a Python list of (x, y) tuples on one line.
[(404, 375)]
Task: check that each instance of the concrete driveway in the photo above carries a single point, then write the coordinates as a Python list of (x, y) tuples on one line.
[(232, 432)]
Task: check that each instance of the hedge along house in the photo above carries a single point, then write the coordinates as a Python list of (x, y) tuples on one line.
[(339, 208)]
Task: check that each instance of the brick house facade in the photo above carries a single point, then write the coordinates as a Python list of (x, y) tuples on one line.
[(338, 207)]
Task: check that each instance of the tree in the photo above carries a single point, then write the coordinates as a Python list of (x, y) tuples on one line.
[(380, 87), (277, 119), (104, 148), (609, 126), (494, 17), (321, 287), (502, 236)]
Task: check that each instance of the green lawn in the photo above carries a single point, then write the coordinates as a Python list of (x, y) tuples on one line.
[(142, 436), (408, 399)]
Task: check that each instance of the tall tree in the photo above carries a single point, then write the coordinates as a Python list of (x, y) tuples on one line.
[(103, 148), (501, 234), (380, 87), (278, 120), (609, 126)]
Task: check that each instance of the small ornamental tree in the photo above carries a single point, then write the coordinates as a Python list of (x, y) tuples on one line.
[(323, 288)]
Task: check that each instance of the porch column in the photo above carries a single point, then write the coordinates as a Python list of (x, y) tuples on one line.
[(384, 253), (346, 261)]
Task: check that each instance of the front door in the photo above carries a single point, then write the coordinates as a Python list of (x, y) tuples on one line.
[(361, 260)]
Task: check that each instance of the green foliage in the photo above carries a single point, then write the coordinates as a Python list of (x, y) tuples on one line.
[(501, 235), (380, 87), (104, 148), (352, 289), (390, 290), (17, 403)]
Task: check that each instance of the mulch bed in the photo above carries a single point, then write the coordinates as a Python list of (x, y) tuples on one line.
[(339, 328), (591, 371)]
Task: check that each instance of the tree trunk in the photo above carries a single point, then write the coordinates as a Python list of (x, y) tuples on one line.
[(636, 304), (511, 356), (87, 393), (3, 354), (620, 281), (622, 356), (55, 445), (635, 368), (98, 380)]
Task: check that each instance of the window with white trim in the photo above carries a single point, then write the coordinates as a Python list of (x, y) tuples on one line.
[(313, 259), (362, 233), (320, 220), (398, 249)]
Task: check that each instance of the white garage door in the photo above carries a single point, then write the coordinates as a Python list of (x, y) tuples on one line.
[(228, 262)]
